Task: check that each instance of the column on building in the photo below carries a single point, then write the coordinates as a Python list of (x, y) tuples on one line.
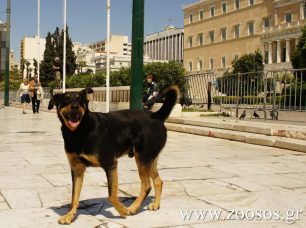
[(270, 52), (287, 50), (278, 48), (275, 17), (296, 41), (302, 16), (165, 48), (175, 47)]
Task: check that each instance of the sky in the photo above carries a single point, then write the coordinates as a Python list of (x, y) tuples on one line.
[(87, 18)]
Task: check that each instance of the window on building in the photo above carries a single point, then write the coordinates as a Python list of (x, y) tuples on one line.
[(212, 11), (199, 65), (190, 41), (251, 28), (288, 17), (224, 7), (190, 66), (190, 18), (200, 38), (223, 34), (251, 2), (237, 4), (236, 31), (266, 22), (212, 36), (201, 14), (236, 57), (223, 62), (211, 63)]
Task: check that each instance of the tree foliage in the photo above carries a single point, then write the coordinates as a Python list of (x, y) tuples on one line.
[(252, 62), (299, 55), (54, 48)]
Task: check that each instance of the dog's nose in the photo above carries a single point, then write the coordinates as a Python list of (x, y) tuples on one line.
[(74, 105)]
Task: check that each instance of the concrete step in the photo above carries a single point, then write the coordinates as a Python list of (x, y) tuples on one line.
[(252, 138), (262, 128)]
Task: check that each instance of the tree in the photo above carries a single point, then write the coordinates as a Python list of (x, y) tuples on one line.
[(35, 64), (27, 63), (54, 48), (46, 72), (299, 55), (252, 62)]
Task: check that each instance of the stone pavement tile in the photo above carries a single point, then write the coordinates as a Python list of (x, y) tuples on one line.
[(42, 160), (43, 217), (248, 169), (22, 181), (198, 188), (272, 200), (170, 213), (28, 169), (193, 173), (266, 182), (22, 198)]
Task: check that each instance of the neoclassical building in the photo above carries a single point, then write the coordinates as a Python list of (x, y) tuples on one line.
[(218, 31)]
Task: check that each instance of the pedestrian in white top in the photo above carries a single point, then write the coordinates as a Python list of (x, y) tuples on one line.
[(24, 94)]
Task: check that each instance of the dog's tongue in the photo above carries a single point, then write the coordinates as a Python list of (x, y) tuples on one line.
[(74, 124)]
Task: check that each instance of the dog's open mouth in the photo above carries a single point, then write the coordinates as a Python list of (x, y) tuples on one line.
[(73, 119)]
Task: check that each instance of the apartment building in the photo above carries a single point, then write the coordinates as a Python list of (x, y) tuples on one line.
[(32, 48), (166, 45), (218, 31), (118, 44)]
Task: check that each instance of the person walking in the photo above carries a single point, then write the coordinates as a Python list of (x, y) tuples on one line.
[(23, 91), (33, 87)]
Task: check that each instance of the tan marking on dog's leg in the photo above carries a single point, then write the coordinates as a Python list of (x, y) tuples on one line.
[(144, 174), (77, 171), (92, 159), (158, 185), (112, 178)]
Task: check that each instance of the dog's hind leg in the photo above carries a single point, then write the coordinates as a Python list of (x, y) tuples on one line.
[(158, 185), (77, 171), (144, 174), (112, 179)]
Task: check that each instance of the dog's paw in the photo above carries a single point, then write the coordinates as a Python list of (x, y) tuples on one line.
[(153, 206), (131, 211), (66, 219), (123, 212)]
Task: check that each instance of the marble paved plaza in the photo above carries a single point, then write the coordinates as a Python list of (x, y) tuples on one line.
[(249, 185)]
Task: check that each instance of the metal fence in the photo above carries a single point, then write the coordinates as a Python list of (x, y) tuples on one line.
[(267, 91)]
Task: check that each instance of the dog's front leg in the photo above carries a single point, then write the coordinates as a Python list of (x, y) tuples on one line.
[(112, 179), (77, 172)]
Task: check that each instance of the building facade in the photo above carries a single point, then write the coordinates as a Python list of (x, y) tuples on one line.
[(32, 48), (218, 31), (118, 44), (84, 54), (166, 45)]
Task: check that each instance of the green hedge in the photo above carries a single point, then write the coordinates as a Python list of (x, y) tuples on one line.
[(234, 100), (14, 84)]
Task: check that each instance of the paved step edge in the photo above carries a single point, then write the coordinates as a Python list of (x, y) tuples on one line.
[(271, 141), (270, 131)]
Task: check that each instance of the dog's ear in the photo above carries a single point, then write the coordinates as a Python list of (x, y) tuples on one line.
[(86, 91), (54, 101)]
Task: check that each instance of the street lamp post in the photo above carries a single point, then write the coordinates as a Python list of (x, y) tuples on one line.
[(107, 54), (7, 60), (38, 39), (137, 54), (64, 49)]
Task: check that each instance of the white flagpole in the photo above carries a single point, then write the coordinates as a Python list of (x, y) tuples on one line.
[(38, 37), (64, 49), (107, 54)]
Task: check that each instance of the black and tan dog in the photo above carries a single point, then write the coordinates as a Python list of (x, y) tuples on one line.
[(99, 139)]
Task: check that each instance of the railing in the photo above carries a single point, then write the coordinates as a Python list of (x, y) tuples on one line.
[(117, 94), (266, 91)]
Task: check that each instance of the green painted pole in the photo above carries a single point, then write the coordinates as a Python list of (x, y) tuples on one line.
[(137, 55), (7, 60)]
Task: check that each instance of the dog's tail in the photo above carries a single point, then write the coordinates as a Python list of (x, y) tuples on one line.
[(171, 94)]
